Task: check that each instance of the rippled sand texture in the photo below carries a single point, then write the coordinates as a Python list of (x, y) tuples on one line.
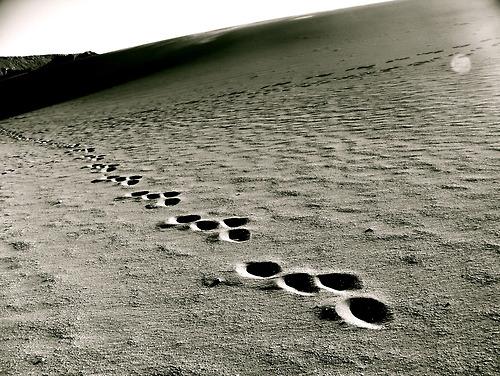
[(354, 149)]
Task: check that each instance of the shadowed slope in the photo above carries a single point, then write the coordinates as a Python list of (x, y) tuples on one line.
[(56, 83)]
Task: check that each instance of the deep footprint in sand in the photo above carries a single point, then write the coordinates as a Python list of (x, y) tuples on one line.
[(108, 168), (125, 181), (152, 196), (361, 311), (159, 195), (183, 219), (298, 283), (187, 218), (235, 235), (136, 194), (205, 225), (235, 222), (339, 283), (128, 181), (259, 269)]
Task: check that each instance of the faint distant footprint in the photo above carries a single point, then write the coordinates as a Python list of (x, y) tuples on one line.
[(229, 229), (163, 199), (100, 167), (125, 181), (163, 203)]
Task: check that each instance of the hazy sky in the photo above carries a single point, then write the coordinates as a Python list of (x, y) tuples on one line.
[(64, 26)]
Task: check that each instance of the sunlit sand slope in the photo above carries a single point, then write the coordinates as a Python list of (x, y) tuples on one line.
[(359, 151)]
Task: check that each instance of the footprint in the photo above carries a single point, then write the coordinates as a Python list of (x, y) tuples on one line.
[(93, 158), (183, 219), (100, 167), (389, 69), (86, 151), (130, 182), (164, 203), (108, 168), (398, 59), (259, 269), (235, 222), (418, 63), (236, 235), (156, 196), (179, 221), (361, 311), (205, 225), (362, 67), (461, 46), (94, 166), (188, 218), (168, 202), (338, 282), (298, 283), (430, 52), (136, 194), (125, 181), (152, 196)]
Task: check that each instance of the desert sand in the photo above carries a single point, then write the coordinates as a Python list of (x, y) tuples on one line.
[(362, 143)]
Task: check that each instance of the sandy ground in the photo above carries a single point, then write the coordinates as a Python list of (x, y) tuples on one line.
[(389, 172)]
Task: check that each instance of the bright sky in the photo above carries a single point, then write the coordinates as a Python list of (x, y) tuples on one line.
[(30, 27)]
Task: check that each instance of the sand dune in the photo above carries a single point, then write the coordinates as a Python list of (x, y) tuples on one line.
[(319, 201)]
